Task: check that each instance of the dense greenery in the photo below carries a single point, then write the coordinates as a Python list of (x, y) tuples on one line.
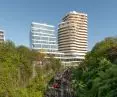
[(19, 77), (26, 73), (97, 75)]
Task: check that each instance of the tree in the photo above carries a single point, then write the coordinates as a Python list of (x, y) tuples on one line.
[(16, 70), (25, 64), (97, 74)]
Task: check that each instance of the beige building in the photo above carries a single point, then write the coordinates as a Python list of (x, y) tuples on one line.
[(2, 38), (72, 36)]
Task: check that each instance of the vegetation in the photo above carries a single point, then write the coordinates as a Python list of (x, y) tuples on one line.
[(97, 75), (23, 72), (26, 73)]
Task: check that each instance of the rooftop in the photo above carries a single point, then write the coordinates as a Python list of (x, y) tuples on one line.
[(1, 30), (74, 12), (43, 24)]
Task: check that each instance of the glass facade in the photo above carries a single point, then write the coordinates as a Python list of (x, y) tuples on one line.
[(43, 37)]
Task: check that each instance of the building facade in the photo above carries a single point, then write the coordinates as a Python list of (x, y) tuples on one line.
[(43, 37), (73, 36), (2, 37)]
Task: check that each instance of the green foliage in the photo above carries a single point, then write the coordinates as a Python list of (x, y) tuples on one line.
[(16, 71), (97, 75), (55, 64)]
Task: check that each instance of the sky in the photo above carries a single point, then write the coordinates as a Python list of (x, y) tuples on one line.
[(16, 17)]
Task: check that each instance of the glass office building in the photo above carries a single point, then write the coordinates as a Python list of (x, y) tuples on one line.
[(43, 37)]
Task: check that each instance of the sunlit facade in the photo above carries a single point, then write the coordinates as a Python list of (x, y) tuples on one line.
[(72, 39), (43, 37), (72, 36)]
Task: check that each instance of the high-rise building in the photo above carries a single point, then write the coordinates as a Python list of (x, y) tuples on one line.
[(43, 37), (2, 37), (72, 36)]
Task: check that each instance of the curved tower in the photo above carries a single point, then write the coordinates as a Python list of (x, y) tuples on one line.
[(72, 36)]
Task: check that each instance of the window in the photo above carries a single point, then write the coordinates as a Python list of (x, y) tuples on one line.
[(52, 39), (35, 37), (53, 46), (44, 38), (37, 45), (45, 46), (52, 43)]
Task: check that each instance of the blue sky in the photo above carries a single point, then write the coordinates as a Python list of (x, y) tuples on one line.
[(17, 15)]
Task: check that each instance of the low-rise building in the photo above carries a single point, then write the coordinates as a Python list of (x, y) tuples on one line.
[(2, 37)]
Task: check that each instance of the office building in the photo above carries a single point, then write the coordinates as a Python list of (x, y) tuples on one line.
[(72, 36), (2, 37), (43, 38)]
